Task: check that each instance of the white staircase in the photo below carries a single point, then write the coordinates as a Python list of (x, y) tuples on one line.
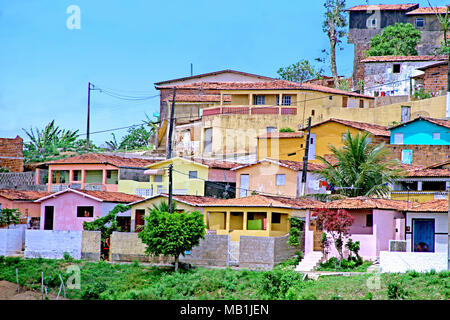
[(310, 261)]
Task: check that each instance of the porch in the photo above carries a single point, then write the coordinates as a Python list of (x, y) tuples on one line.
[(99, 180)]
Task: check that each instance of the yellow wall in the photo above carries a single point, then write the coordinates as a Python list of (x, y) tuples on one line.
[(281, 149), (413, 197), (130, 186), (180, 176)]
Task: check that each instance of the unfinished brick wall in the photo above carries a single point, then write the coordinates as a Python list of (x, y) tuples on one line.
[(11, 154), (361, 49), (435, 79), (425, 155)]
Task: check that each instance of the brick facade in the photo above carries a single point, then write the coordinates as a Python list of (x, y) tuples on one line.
[(435, 79), (11, 154), (425, 155)]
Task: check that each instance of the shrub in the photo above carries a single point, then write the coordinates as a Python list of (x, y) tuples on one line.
[(277, 282), (93, 291), (395, 291)]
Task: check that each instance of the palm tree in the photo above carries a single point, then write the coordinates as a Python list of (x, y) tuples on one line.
[(362, 168), (164, 206)]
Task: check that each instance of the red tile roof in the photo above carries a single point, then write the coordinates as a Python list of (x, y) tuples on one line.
[(96, 158), (367, 203), (404, 58), (214, 73), (24, 195), (427, 172), (440, 205), (216, 164), (108, 196), (268, 85), (428, 10), (294, 165), (400, 7), (439, 122), (198, 98), (373, 129), (281, 135), (439, 165)]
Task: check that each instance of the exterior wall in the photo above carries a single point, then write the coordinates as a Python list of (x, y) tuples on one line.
[(65, 211), (11, 241), (281, 149), (417, 261), (417, 196), (134, 187), (107, 207), (11, 154), (421, 132), (435, 79), (181, 182), (422, 154), (265, 252), (52, 244), (440, 229), (384, 221), (26, 208), (211, 251), (91, 245)]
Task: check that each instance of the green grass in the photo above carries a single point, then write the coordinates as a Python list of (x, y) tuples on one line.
[(101, 280), (346, 266)]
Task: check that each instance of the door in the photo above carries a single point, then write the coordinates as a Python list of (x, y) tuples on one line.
[(140, 222), (49, 214), (423, 235), (312, 146), (317, 235), (244, 185)]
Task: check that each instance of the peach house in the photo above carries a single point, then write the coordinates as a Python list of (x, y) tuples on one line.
[(23, 200), (68, 209), (94, 172)]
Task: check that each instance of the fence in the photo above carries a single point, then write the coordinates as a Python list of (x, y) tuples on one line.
[(51, 244), (11, 241), (417, 261)]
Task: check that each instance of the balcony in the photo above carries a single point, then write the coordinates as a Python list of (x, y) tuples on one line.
[(250, 110)]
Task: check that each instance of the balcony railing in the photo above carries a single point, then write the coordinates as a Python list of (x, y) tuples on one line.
[(253, 110)]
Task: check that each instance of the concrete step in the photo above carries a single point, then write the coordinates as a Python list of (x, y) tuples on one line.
[(309, 262)]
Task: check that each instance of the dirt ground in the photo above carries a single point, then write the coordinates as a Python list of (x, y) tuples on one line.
[(8, 291)]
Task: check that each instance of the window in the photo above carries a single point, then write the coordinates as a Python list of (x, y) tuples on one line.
[(344, 102), (157, 178), (278, 100), (286, 101), (369, 220), (398, 138), (192, 174), (159, 189), (208, 140), (433, 186), (371, 23), (420, 22), (85, 212), (276, 217), (361, 103), (244, 188), (281, 180), (77, 175), (313, 112), (436, 136), (108, 174), (344, 136), (396, 68), (259, 100), (271, 129)]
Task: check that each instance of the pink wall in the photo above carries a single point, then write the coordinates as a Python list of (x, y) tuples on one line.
[(65, 211), (27, 208), (221, 175), (385, 222)]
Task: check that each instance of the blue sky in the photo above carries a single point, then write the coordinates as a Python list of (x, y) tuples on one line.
[(129, 45)]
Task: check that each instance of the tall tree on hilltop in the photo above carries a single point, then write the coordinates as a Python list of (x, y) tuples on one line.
[(334, 26)]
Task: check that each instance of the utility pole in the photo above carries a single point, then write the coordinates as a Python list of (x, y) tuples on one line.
[(172, 118), (88, 112), (305, 159), (192, 69), (170, 188)]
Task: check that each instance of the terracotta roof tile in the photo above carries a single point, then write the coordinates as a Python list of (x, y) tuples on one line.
[(400, 7), (25, 195), (217, 164), (96, 158), (404, 58), (268, 85), (199, 98), (294, 165), (367, 203), (373, 129), (439, 122), (440, 205), (108, 196), (428, 10)]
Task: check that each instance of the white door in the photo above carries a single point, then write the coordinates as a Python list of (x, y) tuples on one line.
[(244, 186), (312, 146)]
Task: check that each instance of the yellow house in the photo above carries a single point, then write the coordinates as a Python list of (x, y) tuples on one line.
[(291, 146), (423, 184), (188, 176), (259, 215)]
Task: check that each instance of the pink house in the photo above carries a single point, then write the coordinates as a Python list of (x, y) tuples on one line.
[(91, 171), (377, 221), (68, 209)]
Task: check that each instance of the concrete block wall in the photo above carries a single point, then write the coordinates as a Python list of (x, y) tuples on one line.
[(11, 154), (284, 251), (417, 261), (11, 241), (52, 244), (424, 155), (91, 245), (211, 251)]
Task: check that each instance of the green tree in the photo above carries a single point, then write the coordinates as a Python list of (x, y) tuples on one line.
[(334, 26), (400, 39), (298, 72), (362, 168), (9, 216), (172, 234), (444, 20)]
